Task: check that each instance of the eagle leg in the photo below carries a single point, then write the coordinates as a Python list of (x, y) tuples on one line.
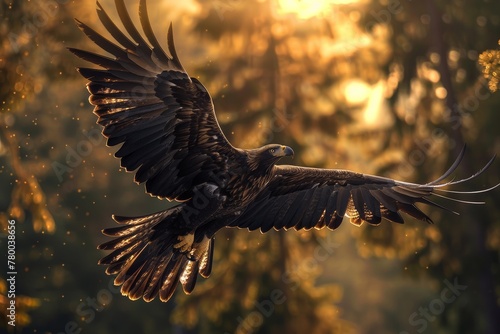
[(185, 242), (199, 249)]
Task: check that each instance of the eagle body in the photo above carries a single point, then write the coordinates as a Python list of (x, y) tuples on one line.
[(165, 124)]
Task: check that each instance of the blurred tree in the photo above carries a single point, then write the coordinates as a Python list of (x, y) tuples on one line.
[(22, 79), (23, 305), (386, 87)]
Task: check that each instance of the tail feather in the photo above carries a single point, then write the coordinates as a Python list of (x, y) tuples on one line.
[(189, 277), (131, 282), (130, 239), (115, 268), (144, 258), (153, 288), (122, 254), (121, 242), (137, 289), (174, 269), (138, 284), (206, 260)]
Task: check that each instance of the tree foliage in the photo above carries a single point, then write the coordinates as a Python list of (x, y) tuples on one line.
[(490, 60)]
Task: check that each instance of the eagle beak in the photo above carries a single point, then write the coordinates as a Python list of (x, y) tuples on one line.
[(287, 151)]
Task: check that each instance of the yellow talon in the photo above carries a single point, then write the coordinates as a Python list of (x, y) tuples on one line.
[(199, 249), (185, 242)]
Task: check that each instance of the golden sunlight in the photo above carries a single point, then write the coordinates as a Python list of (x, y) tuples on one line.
[(306, 9), (356, 92)]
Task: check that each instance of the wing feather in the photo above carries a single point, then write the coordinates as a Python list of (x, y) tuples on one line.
[(372, 204), (148, 31), (315, 215), (306, 202), (113, 29), (359, 202), (130, 27), (344, 195), (103, 61), (288, 202)]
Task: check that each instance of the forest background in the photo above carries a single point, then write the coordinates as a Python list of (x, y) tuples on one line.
[(386, 87)]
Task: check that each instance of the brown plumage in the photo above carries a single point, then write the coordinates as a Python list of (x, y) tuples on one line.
[(168, 131)]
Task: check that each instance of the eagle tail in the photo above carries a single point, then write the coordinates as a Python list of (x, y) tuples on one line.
[(145, 260)]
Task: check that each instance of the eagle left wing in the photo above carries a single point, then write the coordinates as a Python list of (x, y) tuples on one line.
[(163, 119), (303, 198)]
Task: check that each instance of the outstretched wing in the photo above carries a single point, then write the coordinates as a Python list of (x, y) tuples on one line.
[(304, 198), (146, 100)]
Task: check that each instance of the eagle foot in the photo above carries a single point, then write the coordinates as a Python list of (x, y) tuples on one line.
[(199, 249), (185, 242)]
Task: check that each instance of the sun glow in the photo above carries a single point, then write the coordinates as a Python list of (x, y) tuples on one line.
[(307, 9)]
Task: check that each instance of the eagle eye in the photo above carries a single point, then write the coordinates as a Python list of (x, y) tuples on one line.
[(272, 150)]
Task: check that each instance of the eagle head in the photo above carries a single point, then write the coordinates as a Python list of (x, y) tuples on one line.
[(267, 156)]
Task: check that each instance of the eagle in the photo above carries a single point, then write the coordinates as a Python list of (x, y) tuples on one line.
[(165, 122)]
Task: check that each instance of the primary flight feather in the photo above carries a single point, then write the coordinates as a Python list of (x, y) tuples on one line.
[(169, 134)]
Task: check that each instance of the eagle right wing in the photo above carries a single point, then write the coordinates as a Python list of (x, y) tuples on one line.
[(146, 101), (303, 198)]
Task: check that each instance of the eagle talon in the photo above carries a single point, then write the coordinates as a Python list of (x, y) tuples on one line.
[(200, 248), (185, 242)]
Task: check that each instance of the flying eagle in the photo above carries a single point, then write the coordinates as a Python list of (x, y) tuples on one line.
[(169, 134)]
